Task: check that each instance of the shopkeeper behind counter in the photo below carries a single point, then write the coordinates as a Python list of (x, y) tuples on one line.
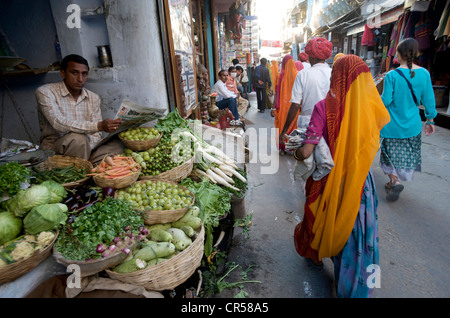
[(70, 117)]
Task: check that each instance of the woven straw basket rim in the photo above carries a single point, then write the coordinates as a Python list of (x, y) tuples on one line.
[(60, 161), (164, 216), (176, 174), (141, 145), (117, 183), (170, 273), (92, 267), (12, 271)]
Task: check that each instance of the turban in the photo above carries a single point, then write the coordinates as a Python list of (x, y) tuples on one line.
[(319, 48), (303, 57)]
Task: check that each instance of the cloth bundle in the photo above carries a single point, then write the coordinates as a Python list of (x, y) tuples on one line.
[(318, 165)]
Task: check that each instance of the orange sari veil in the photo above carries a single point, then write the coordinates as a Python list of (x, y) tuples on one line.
[(286, 83), (355, 115)]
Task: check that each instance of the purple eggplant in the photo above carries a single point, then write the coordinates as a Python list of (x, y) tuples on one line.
[(72, 199), (74, 206), (108, 192), (89, 195), (86, 205)]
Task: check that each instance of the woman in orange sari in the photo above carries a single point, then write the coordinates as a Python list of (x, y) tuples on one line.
[(283, 96), (340, 217), (274, 71)]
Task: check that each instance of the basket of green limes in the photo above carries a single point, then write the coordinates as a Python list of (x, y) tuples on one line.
[(140, 138)]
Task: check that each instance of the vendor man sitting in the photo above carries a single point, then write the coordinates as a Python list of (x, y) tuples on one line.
[(70, 117), (226, 98)]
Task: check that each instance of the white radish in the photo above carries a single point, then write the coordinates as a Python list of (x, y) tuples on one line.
[(200, 172), (216, 151), (210, 158), (220, 180), (234, 172), (223, 175)]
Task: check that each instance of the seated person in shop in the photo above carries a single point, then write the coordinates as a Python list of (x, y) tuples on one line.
[(70, 117), (242, 103), (226, 98), (242, 80)]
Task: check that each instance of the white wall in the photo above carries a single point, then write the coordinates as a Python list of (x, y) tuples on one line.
[(131, 28)]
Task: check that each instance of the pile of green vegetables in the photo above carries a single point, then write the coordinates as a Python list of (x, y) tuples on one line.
[(156, 195), (169, 153), (31, 211), (12, 176), (162, 241), (213, 202), (60, 175), (140, 133), (164, 157), (108, 225)]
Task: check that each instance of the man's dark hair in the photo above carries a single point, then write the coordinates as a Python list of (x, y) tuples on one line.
[(235, 61), (231, 68), (239, 68), (220, 72), (263, 61), (73, 58)]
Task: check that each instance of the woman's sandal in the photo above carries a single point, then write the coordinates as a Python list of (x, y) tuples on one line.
[(393, 190)]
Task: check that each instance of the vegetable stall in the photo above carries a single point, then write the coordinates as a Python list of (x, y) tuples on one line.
[(148, 217)]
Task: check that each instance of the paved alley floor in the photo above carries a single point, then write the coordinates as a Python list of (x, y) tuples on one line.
[(413, 232)]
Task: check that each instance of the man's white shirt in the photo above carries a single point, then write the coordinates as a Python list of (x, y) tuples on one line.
[(310, 86), (222, 90)]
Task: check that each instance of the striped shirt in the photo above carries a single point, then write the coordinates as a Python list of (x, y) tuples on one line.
[(59, 113)]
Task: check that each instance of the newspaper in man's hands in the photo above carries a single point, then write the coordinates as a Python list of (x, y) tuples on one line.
[(133, 115)]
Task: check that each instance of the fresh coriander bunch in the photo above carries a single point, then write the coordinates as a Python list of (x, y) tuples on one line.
[(12, 175), (100, 223)]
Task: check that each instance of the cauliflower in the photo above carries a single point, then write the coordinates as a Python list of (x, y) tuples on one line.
[(30, 238), (2, 263), (22, 250), (44, 238)]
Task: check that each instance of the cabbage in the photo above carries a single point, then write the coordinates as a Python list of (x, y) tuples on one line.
[(45, 218), (10, 227), (27, 199), (57, 191)]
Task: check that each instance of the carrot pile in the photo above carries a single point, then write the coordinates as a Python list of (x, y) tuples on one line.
[(116, 167)]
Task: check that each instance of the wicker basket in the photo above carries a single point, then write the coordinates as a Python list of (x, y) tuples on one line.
[(175, 174), (141, 145), (19, 268), (170, 273), (58, 161), (88, 268), (117, 183), (164, 216)]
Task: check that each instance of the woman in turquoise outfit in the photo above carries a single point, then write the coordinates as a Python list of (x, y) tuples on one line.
[(401, 139)]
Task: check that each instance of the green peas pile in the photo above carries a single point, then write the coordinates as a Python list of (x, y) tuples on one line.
[(140, 133), (156, 195)]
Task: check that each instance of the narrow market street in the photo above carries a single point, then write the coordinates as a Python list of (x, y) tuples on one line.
[(96, 174), (413, 232)]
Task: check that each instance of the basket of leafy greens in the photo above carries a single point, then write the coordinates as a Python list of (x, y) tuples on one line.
[(99, 237)]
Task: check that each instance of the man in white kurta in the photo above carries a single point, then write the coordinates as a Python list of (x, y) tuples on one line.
[(311, 85)]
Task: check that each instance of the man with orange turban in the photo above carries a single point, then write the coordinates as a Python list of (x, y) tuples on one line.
[(311, 85)]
